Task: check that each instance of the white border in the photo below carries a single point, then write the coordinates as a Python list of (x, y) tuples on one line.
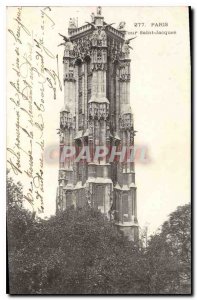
[(192, 3)]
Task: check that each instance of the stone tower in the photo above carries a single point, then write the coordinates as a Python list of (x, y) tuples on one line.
[(97, 112)]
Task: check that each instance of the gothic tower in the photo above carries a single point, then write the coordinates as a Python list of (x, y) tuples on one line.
[(97, 112)]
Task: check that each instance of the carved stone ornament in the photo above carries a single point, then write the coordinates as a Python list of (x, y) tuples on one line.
[(124, 71), (126, 50), (85, 46), (81, 48), (66, 120), (99, 10), (121, 25), (114, 49), (126, 122), (72, 23), (62, 174), (61, 136), (98, 111)]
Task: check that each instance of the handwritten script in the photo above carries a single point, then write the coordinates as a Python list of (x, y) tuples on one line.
[(33, 74)]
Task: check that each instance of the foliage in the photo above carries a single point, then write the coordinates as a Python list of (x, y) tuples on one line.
[(14, 191), (76, 252), (80, 252), (169, 254)]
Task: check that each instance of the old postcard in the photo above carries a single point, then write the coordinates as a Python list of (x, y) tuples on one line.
[(98, 150)]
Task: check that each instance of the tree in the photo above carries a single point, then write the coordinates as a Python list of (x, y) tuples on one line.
[(169, 254), (14, 191), (79, 251), (84, 254)]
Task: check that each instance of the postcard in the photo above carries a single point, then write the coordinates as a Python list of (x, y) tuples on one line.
[(99, 150)]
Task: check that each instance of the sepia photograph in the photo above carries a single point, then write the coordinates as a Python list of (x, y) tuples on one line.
[(98, 170)]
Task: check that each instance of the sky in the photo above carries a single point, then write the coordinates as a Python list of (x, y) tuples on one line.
[(160, 101)]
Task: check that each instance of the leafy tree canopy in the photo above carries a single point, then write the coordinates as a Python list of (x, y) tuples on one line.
[(80, 252)]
